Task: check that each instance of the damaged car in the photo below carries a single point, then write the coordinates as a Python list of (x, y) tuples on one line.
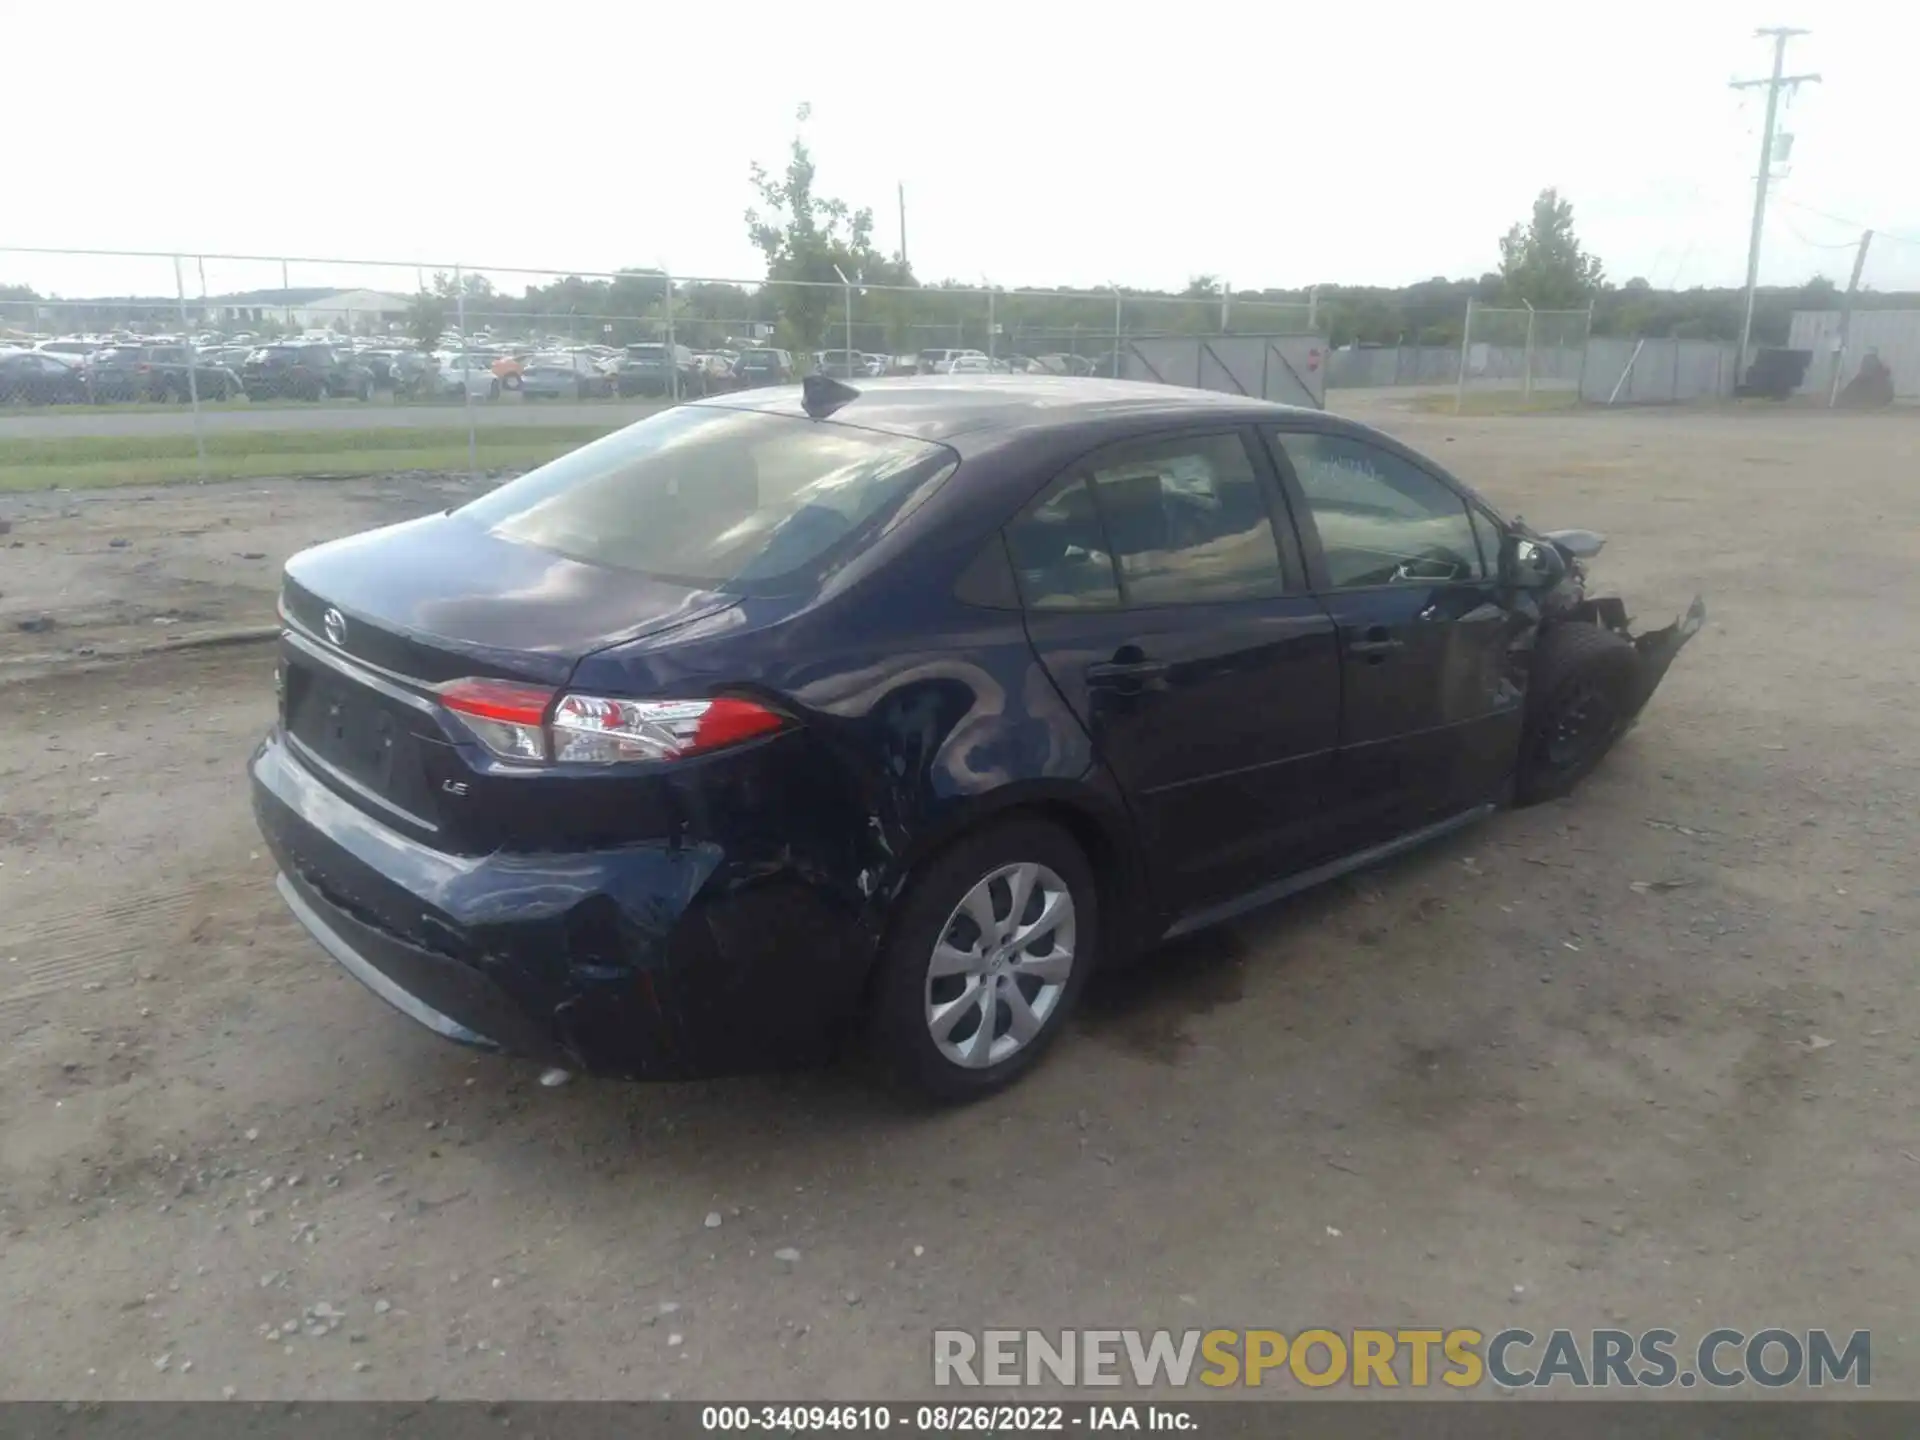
[(891, 713)]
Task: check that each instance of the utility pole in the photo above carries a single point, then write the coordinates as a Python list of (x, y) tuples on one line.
[(1774, 84), (1846, 318), (901, 192)]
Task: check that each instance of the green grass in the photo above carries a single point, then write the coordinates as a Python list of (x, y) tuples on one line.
[(90, 461)]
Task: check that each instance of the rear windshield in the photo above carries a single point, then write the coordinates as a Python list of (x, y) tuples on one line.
[(724, 499), (760, 357)]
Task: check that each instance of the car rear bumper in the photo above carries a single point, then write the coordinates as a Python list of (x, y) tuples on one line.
[(649, 960)]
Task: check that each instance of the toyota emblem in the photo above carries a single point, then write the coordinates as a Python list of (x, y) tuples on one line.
[(335, 624)]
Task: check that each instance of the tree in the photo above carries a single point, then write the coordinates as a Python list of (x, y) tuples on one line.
[(427, 320), (473, 287), (1542, 263), (804, 237)]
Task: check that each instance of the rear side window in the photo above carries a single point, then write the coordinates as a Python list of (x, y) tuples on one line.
[(724, 499), (1060, 554), (1381, 520), (1188, 520)]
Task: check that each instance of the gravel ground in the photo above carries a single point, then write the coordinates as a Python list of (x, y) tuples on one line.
[(1642, 1057)]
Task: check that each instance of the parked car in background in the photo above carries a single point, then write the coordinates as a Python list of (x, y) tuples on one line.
[(649, 369), (231, 357), (976, 364), (844, 364), (379, 364), (406, 370), (459, 376), (765, 367), (940, 362), (719, 371), (303, 370), (156, 372), (37, 377), (508, 369), (562, 374), (1064, 364), (73, 348)]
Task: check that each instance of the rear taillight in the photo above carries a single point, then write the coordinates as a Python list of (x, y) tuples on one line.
[(525, 723), (508, 719), (604, 732)]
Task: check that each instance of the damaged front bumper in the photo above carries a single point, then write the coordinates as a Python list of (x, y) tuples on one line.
[(1657, 648)]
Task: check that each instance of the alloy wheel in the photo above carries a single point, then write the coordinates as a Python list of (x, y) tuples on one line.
[(1000, 966)]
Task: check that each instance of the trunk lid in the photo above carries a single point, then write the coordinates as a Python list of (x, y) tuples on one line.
[(441, 598), (375, 621)]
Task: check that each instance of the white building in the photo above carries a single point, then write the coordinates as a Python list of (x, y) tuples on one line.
[(308, 309)]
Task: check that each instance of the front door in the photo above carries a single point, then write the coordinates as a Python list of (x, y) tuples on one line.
[(1157, 598), (1432, 688)]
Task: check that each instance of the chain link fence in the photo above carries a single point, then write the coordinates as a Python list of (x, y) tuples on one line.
[(1524, 350), (207, 332)]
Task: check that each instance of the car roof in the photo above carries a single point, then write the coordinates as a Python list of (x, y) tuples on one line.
[(943, 407)]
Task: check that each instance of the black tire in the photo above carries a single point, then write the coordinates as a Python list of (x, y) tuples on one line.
[(493, 390), (1582, 696), (898, 1022)]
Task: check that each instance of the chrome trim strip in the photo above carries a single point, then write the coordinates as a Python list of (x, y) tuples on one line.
[(390, 683)]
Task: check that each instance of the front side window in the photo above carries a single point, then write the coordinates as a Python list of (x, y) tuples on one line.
[(1188, 520), (1381, 520), (725, 499), (1488, 532)]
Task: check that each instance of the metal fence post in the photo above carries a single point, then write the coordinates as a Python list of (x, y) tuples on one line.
[(466, 385), (1526, 382), (1466, 340), (193, 365)]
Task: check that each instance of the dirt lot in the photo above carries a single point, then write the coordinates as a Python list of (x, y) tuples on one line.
[(1496, 1083)]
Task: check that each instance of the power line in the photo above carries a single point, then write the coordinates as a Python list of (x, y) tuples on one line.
[(1878, 234)]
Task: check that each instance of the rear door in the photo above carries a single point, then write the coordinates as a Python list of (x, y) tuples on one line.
[(1173, 616), (1432, 689)]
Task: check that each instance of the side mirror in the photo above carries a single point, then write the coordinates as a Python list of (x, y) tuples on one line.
[(1532, 564)]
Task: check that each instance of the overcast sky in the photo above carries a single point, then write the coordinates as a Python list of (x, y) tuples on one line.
[(1044, 142)]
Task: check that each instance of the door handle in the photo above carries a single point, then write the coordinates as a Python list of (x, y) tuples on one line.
[(1127, 676), (1374, 645)]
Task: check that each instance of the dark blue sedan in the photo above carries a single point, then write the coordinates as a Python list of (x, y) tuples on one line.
[(894, 711)]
